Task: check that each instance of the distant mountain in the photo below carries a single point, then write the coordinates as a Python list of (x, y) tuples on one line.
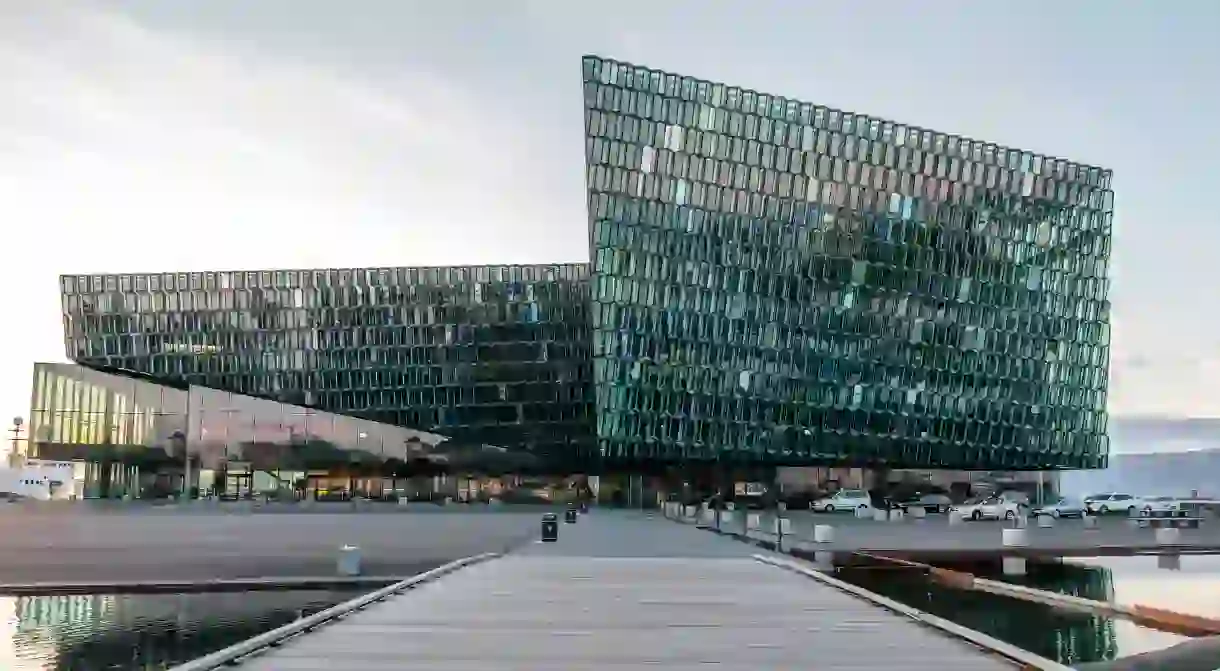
[(1155, 456), (1143, 435)]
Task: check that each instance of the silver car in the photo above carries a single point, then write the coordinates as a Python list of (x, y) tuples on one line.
[(1064, 507)]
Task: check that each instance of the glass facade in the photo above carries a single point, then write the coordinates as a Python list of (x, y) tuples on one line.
[(486, 355), (778, 282), (133, 436)]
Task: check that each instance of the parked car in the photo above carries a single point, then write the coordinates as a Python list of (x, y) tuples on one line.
[(1063, 507), (990, 508), (1160, 504), (844, 499), (798, 500), (1016, 496), (932, 503), (1112, 502)]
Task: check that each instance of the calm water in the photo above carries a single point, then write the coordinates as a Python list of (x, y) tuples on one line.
[(126, 632), (1192, 586)]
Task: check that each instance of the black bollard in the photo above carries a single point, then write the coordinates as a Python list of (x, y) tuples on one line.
[(569, 515), (550, 528)]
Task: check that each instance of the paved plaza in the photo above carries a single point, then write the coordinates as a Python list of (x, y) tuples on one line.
[(87, 542), (198, 542)]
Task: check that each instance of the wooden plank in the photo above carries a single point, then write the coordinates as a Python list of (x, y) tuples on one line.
[(542, 612)]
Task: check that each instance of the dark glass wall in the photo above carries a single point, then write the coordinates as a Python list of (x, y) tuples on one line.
[(780, 282), (495, 355)]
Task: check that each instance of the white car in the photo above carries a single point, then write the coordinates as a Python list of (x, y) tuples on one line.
[(990, 508), (1153, 504), (1113, 502), (843, 500)]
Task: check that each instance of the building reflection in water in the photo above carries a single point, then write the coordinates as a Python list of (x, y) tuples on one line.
[(128, 632), (1068, 637)]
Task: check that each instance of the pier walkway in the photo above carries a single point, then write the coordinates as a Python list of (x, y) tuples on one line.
[(622, 591)]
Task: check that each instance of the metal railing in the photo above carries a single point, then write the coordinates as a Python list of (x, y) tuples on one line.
[(231, 655)]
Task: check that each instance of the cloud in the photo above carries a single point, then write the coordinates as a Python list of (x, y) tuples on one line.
[(141, 140), (124, 148)]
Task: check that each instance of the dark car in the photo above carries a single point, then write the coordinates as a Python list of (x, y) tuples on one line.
[(932, 503)]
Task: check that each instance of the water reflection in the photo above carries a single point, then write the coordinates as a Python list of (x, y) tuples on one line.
[(147, 632), (1187, 584), (1067, 637)]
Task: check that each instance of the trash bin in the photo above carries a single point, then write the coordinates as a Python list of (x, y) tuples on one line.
[(569, 516), (550, 528)]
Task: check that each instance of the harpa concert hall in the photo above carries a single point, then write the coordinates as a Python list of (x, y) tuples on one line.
[(777, 290)]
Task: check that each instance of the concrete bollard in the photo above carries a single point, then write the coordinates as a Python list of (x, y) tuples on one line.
[(897, 515), (730, 506), (404, 501), (753, 521), (823, 533), (1014, 565), (690, 511), (783, 526), (917, 513), (1013, 538), (1170, 562), (880, 515), (726, 517), (955, 517), (1168, 536), (864, 513), (1045, 521), (349, 561), (1089, 522)]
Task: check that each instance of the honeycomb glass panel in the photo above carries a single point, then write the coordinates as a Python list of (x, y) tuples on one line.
[(776, 282), (494, 357)]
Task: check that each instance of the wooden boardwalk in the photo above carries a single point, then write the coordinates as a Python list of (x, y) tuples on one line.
[(550, 612)]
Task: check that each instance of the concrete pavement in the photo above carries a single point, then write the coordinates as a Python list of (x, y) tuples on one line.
[(158, 544)]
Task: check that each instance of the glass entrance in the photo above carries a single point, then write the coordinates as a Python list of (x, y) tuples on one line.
[(238, 485)]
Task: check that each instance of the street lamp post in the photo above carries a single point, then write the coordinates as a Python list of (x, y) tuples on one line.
[(179, 442), (359, 458)]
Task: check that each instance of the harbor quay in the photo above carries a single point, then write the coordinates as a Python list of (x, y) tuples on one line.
[(935, 538), (94, 544)]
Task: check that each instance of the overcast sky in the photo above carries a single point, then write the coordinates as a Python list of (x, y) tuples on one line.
[(215, 134)]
